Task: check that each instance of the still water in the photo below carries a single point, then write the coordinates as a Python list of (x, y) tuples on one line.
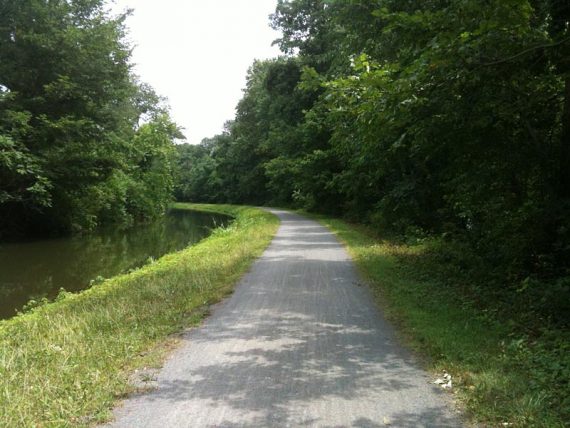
[(32, 270)]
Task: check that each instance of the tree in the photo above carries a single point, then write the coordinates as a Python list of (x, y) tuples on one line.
[(71, 106)]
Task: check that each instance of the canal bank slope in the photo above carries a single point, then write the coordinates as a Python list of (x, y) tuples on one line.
[(65, 363)]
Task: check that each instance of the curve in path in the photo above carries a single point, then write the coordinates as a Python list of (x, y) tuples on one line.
[(299, 343)]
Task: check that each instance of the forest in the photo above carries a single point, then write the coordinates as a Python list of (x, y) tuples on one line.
[(439, 119)]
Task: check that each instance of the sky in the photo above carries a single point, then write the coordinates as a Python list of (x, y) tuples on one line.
[(196, 53)]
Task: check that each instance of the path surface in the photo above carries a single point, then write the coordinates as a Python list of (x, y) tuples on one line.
[(299, 344)]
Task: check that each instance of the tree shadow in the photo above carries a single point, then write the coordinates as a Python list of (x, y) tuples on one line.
[(297, 344)]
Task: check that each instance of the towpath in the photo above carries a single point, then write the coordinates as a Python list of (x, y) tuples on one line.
[(300, 343)]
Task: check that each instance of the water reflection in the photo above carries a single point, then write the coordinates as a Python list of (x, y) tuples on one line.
[(32, 270)]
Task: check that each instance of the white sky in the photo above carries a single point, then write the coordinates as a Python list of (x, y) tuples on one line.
[(197, 52)]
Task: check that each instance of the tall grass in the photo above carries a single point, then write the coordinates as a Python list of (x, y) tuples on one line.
[(66, 363), (501, 377)]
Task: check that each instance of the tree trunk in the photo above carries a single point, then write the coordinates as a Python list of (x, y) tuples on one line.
[(565, 143)]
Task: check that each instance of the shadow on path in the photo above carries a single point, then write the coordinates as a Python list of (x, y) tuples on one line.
[(298, 344)]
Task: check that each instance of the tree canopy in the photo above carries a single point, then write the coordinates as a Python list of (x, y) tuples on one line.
[(82, 141), (449, 118)]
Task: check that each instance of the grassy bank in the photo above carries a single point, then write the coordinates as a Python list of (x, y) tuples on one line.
[(506, 372), (65, 363)]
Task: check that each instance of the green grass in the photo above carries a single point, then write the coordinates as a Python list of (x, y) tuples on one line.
[(66, 363), (500, 374)]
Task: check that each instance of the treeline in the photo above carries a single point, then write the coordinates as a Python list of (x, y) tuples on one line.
[(82, 141), (421, 117)]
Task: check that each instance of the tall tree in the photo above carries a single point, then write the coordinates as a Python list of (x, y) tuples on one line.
[(71, 107)]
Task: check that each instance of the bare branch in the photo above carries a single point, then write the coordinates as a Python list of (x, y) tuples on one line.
[(526, 51)]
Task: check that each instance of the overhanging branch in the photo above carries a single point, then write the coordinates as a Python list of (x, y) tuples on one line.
[(526, 51)]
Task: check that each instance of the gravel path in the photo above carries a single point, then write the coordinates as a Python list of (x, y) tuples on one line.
[(299, 344)]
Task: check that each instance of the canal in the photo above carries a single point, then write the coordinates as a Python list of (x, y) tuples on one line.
[(37, 269)]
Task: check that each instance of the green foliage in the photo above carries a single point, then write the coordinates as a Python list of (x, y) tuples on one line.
[(21, 177), (70, 110), (232, 167), (448, 118), (195, 174), (152, 173)]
